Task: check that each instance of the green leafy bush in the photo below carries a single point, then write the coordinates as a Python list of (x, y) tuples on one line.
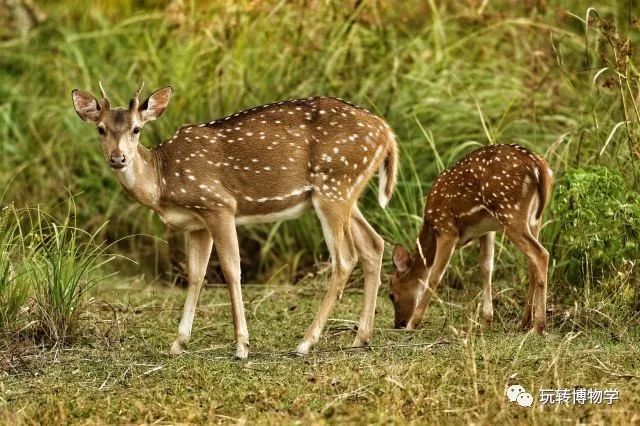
[(598, 223)]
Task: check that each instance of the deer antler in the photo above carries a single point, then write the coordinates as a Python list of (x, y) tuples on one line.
[(135, 102), (106, 104)]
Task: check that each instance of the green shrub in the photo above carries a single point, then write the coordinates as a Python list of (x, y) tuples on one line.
[(598, 223)]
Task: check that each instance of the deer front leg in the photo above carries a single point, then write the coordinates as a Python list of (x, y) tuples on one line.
[(445, 246), (225, 238), (487, 243), (198, 251)]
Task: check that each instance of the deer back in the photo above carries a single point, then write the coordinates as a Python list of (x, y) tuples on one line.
[(269, 158)]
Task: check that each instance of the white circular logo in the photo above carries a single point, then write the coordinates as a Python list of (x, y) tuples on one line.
[(525, 399), (513, 391)]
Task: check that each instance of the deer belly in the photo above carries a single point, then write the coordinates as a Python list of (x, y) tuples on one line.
[(182, 219), (478, 229), (288, 213)]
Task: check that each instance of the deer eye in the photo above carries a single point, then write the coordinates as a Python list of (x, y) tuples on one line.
[(136, 130), (101, 130)]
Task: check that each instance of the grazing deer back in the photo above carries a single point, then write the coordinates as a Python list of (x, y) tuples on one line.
[(488, 188)]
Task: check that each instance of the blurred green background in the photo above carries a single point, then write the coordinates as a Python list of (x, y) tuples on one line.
[(448, 76)]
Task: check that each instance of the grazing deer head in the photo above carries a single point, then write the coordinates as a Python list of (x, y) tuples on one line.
[(119, 128), (407, 282), (499, 187)]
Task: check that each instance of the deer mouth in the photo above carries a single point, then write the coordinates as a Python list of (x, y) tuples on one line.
[(400, 324), (119, 167)]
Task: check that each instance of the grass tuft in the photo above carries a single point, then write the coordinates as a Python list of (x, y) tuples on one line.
[(14, 290), (67, 263)]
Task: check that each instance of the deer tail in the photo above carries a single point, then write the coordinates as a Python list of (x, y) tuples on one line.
[(388, 171), (545, 184)]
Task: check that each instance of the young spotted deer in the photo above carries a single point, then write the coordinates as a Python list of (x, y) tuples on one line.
[(498, 187), (265, 164)]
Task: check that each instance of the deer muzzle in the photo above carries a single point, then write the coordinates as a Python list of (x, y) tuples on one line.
[(400, 324), (117, 160)]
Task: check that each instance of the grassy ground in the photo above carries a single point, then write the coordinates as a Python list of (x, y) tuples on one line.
[(449, 371)]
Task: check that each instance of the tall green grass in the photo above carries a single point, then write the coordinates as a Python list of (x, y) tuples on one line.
[(448, 76), (47, 268), (67, 263), (14, 289)]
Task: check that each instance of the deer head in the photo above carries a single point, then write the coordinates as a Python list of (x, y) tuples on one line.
[(405, 286), (411, 273), (119, 128)]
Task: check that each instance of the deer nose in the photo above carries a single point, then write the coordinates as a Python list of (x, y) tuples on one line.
[(117, 160)]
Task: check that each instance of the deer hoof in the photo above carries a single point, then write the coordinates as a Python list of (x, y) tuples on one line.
[(487, 319), (242, 354), (303, 349), (360, 344), (539, 329), (178, 348)]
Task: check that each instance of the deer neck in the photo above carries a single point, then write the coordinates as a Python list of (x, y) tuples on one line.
[(424, 252), (141, 178)]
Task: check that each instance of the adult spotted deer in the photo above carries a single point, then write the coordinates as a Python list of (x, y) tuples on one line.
[(498, 187), (265, 164)]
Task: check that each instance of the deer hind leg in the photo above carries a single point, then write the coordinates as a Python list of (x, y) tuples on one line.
[(198, 251), (225, 238), (370, 248), (527, 317), (349, 254), (538, 256), (445, 245), (335, 221), (487, 243)]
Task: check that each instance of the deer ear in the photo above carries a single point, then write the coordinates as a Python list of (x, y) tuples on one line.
[(86, 105), (155, 104), (401, 258)]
